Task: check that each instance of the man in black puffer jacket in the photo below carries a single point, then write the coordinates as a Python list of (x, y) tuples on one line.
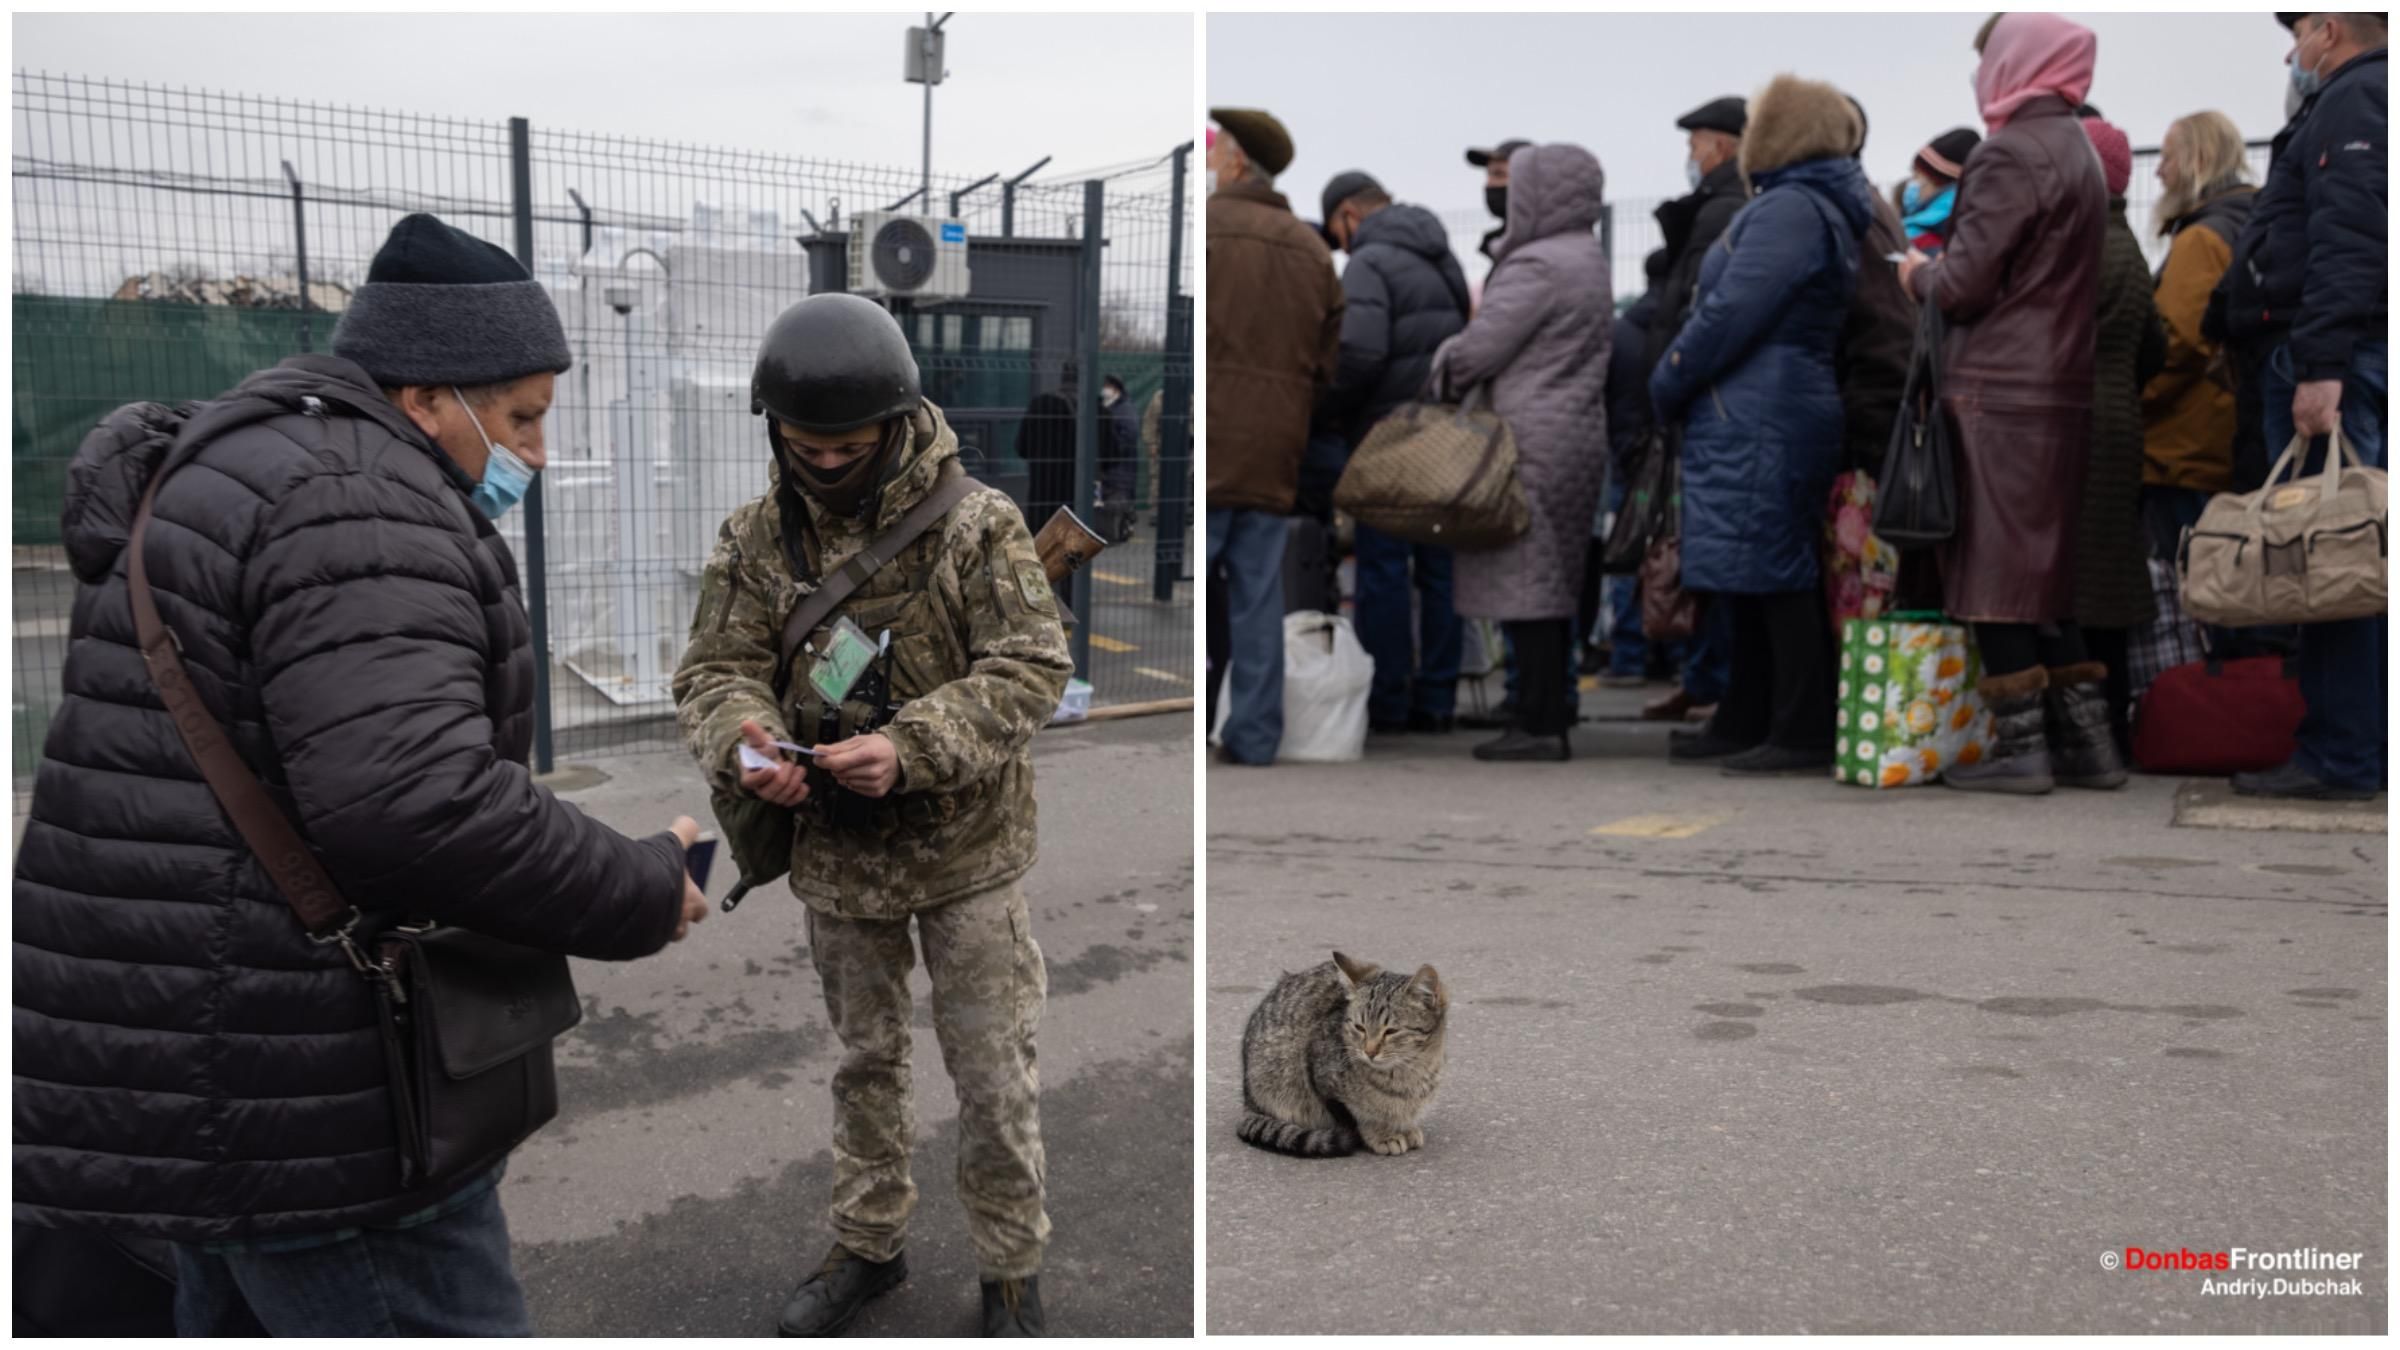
[(2308, 284), (189, 1064), (1404, 296)]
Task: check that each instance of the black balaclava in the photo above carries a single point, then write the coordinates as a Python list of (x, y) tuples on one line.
[(845, 491)]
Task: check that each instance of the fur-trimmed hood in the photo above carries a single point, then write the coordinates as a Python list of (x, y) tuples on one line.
[(1793, 120)]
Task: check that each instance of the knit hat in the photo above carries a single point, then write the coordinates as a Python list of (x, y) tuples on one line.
[(1261, 137), (441, 306), (1946, 155), (2116, 153)]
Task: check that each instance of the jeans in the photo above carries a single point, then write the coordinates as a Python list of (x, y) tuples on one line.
[(2343, 678), (1410, 676), (448, 1276), (1708, 655), (1249, 547), (1627, 655)]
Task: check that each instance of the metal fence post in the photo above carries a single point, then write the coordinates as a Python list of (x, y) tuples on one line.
[(537, 580), (300, 253), (1175, 408), (1087, 405)]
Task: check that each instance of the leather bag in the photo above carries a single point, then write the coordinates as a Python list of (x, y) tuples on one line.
[(1438, 473)]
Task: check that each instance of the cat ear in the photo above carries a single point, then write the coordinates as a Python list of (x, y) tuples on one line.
[(1358, 972), (1428, 983)]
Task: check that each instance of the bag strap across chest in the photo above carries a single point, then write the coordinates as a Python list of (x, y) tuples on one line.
[(819, 604)]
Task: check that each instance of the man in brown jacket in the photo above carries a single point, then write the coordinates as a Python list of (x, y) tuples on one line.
[(1274, 330)]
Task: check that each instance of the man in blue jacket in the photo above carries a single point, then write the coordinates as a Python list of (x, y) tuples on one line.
[(2309, 276), (1404, 294)]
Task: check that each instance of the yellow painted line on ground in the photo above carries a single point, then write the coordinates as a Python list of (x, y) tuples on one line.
[(1167, 675), (1659, 827), (1588, 684), (1113, 579), (1109, 644)]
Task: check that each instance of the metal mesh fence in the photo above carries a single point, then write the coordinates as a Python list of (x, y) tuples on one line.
[(168, 242)]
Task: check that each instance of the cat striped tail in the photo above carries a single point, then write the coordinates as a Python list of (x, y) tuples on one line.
[(1282, 1136)]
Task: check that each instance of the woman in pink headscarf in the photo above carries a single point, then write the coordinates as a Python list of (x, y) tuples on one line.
[(2020, 285)]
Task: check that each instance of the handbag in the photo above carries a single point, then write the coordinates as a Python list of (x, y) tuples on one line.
[(1669, 612), (2169, 640), (1439, 473), (2307, 550), (466, 1020), (1916, 503), (1653, 503), (2215, 717)]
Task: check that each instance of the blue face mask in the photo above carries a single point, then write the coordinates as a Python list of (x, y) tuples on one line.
[(2305, 81), (1692, 174), (1912, 197), (505, 477)]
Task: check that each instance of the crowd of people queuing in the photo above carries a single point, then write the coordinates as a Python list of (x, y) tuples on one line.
[(2096, 406)]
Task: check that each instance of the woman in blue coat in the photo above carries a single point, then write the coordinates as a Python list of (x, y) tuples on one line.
[(1751, 378)]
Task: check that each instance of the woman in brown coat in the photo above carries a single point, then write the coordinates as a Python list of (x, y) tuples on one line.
[(2020, 286), (2193, 419)]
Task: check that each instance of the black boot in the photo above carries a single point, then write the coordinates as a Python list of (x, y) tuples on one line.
[(2083, 748), (2019, 758), (1519, 746), (1013, 1307), (829, 1300), (1704, 743), (1777, 761)]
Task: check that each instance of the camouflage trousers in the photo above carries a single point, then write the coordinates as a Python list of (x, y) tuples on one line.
[(988, 989)]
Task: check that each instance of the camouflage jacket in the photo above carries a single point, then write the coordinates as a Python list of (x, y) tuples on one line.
[(979, 663)]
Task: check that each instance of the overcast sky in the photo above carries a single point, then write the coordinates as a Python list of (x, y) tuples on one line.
[(1402, 96), (1088, 89)]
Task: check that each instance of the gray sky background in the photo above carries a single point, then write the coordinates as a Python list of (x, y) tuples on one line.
[(1089, 89), (1402, 96)]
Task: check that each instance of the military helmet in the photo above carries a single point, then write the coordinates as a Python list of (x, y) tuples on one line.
[(834, 363)]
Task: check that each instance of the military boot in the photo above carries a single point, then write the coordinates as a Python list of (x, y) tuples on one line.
[(2019, 759), (2083, 751), (1013, 1307), (829, 1300)]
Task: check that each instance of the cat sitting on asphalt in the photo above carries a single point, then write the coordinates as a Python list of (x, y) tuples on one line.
[(1342, 1056)]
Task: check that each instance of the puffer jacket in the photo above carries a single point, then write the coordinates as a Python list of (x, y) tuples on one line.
[(1752, 374), (189, 1064), (1274, 332), (1687, 226), (1541, 340), (1403, 296)]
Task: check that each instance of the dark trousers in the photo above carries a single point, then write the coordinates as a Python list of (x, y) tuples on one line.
[(2013, 648), (1544, 650), (2109, 646), (1416, 663), (1779, 690), (2343, 676)]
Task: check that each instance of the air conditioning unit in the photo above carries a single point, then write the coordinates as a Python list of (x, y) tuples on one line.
[(920, 257)]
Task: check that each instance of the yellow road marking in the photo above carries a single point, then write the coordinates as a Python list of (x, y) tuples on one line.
[(1113, 579), (1169, 676), (1659, 827), (1109, 644)]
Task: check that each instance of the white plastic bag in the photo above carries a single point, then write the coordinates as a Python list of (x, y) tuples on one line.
[(1326, 677)]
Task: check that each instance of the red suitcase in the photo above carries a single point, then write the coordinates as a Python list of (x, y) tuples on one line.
[(2215, 718)]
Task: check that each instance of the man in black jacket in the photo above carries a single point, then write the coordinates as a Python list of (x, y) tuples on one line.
[(189, 1064), (1689, 224), (1404, 295), (2308, 278)]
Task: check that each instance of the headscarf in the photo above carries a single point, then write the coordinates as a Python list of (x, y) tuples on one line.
[(2030, 56), (2115, 151)]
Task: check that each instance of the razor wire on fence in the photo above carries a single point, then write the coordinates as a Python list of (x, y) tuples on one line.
[(169, 242)]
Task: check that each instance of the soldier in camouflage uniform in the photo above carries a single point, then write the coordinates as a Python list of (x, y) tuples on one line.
[(938, 821)]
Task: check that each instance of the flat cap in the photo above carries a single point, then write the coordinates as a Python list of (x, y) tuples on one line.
[(1480, 157), (1727, 114), (1261, 137)]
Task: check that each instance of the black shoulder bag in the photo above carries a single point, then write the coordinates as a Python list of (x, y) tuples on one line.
[(467, 1020), (1916, 495)]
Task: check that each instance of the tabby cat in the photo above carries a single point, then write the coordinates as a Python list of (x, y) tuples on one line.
[(1342, 1056)]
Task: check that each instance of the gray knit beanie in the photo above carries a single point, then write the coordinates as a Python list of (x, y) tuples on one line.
[(441, 306)]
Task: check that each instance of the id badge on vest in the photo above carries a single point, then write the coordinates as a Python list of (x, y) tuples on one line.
[(840, 663)]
